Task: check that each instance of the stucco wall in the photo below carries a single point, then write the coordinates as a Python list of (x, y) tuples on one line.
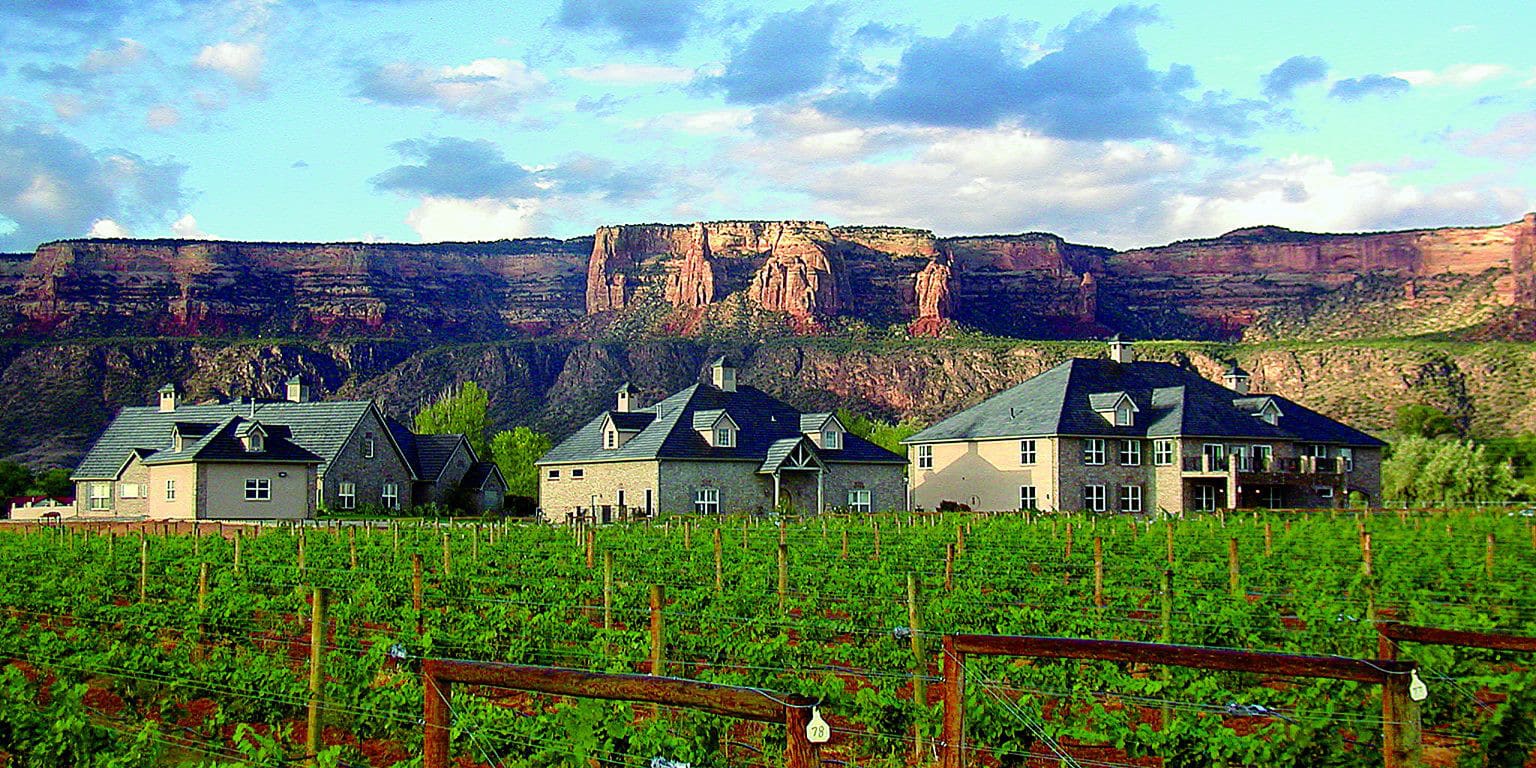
[(985, 474), (370, 475), (559, 498), (185, 505), (222, 491)]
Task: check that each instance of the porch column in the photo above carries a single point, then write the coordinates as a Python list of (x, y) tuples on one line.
[(820, 502), (775, 490)]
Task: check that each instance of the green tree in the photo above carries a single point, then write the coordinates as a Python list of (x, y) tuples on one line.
[(1416, 420), (882, 433), (15, 479), (458, 410), (53, 482), (1427, 472), (514, 452)]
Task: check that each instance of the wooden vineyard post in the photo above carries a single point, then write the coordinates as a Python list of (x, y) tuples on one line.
[(1401, 726), (316, 673), (591, 549), (1168, 532), (1098, 571), (301, 552), (799, 752), (687, 535), (143, 569), (783, 576), (1165, 635), (952, 738), (949, 567), (1365, 554), (919, 661), (202, 607), (1068, 552), (1269, 540), (607, 591), (474, 543), (239, 537), (352, 547), (658, 597), (447, 556), (394, 529), (877, 541), (719, 565), (845, 544), (960, 540), (744, 523), (1234, 575), (1488, 559), (416, 601)]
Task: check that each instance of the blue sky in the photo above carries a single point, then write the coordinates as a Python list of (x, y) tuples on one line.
[(424, 120)]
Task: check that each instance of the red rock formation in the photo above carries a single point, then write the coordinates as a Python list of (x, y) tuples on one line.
[(1087, 299), (933, 308)]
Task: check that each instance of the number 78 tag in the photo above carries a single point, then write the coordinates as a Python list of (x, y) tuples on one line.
[(817, 731)]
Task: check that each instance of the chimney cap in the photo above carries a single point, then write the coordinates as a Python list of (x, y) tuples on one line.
[(723, 361), (169, 389), (624, 388), (1233, 369), (295, 379)]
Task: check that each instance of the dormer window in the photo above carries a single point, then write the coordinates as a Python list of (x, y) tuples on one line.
[(831, 439), (610, 439), (716, 427), (176, 441), (725, 437), (253, 437), (1117, 408)]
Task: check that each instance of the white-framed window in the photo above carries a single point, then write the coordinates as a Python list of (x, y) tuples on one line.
[(1319, 450), (368, 447), (101, 496), (389, 497), (258, 489), (1027, 497), (1162, 452), (577, 473), (1094, 450), (1027, 454), (831, 439), (346, 495), (1347, 458), (706, 501), (1130, 453), (611, 439), (1123, 415), (1130, 498), (1095, 498), (1242, 454), (130, 491), (170, 490), (725, 437), (553, 474), (1263, 458), (1324, 491), (925, 457), (1205, 497), (858, 501), (255, 443)]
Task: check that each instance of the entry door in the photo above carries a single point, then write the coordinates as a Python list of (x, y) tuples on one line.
[(618, 498), (648, 502), (1216, 455)]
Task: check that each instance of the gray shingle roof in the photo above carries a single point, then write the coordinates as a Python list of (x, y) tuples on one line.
[(1172, 401), (813, 422), (631, 421), (222, 443), (321, 428), (762, 421), (480, 473), (433, 453)]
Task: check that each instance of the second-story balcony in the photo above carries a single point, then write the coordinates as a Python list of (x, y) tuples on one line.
[(1259, 465)]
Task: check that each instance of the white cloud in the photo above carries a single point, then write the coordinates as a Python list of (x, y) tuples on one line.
[(1513, 138), (187, 229), (162, 117), (68, 107), (240, 62), (108, 228), (483, 88), (631, 74), (128, 53), (1455, 75), (437, 219)]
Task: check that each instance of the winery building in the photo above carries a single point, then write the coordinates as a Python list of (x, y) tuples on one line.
[(1119, 435)]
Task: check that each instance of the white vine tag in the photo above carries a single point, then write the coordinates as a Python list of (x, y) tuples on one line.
[(1417, 690), (817, 731)]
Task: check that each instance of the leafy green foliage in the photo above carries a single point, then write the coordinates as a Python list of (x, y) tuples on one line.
[(515, 452), (459, 410), (1417, 420), (882, 433), (1427, 472)]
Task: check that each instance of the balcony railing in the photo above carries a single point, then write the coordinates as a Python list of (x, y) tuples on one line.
[(1303, 465)]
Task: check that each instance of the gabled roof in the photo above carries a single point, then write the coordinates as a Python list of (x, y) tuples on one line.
[(320, 428), (782, 450), (480, 473), (761, 421), (631, 421), (1064, 401), (705, 420), (433, 452), (223, 443), (814, 422), (1109, 401)]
